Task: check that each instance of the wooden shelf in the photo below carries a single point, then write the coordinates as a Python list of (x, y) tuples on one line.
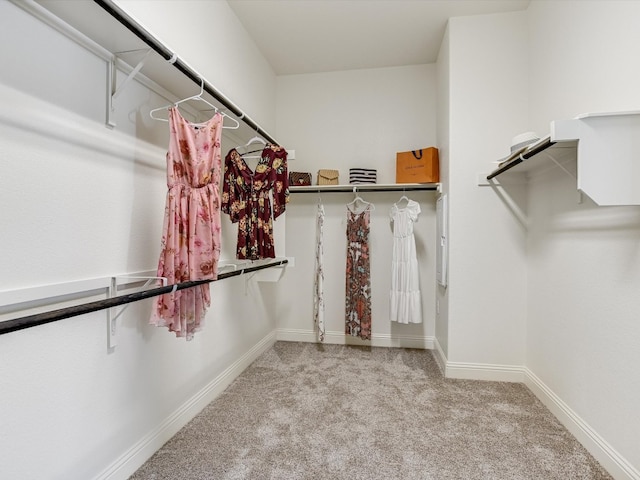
[(372, 187)]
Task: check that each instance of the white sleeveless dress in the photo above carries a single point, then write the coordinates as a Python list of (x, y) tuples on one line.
[(405, 305)]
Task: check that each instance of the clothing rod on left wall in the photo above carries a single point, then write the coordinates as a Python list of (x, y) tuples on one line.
[(34, 320), (135, 28)]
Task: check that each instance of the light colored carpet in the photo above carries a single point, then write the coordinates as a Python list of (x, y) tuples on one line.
[(306, 411)]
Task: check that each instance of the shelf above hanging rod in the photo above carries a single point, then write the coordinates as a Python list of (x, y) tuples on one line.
[(514, 160), (104, 28), (377, 187), (171, 57), (34, 320), (599, 150)]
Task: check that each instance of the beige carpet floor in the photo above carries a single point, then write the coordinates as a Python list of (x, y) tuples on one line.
[(307, 411)]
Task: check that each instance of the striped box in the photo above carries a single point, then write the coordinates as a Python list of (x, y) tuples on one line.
[(362, 175)]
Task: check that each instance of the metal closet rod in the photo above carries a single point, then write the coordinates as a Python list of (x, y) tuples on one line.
[(546, 143), (34, 320), (165, 53), (361, 188)]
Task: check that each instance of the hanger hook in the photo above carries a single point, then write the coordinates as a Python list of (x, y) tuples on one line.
[(201, 86)]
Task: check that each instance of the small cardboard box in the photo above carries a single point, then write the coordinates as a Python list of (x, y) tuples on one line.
[(418, 166)]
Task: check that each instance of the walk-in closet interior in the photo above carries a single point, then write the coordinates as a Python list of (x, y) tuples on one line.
[(527, 256)]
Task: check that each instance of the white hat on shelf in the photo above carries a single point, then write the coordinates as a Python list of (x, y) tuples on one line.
[(519, 144)]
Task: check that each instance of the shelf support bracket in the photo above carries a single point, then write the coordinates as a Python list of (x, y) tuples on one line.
[(113, 90), (562, 167), (571, 174), (112, 315)]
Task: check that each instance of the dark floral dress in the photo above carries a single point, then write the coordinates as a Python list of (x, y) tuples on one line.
[(358, 291), (246, 199)]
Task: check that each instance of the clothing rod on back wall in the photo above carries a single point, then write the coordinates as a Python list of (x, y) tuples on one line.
[(168, 55), (34, 320), (394, 187)]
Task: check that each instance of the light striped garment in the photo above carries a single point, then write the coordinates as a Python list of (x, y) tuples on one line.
[(362, 175), (318, 297)]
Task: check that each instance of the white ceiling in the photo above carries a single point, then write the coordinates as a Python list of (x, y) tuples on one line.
[(310, 36)]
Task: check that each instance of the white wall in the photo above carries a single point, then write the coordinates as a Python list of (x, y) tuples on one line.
[(546, 283), (357, 118), (541, 285), (583, 260), (487, 274), (584, 57), (82, 201)]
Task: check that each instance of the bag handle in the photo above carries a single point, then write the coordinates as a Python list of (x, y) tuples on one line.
[(415, 155)]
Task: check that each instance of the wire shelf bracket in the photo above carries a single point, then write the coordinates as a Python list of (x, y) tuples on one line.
[(112, 312), (113, 90)]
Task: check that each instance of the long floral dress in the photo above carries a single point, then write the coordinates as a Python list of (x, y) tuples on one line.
[(191, 233), (246, 199), (358, 273), (404, 297)]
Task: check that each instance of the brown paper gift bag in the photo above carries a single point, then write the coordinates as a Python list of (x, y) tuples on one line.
[(418, 166), (327, 177)]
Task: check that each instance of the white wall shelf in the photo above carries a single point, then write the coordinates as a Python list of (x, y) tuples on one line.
[(606, 147), (372, 187), (546, 152), (103, 28)]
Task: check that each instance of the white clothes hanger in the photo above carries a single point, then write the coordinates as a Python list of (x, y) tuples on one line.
[(403, 197), (357, 199), (255, 139), (200, 98)]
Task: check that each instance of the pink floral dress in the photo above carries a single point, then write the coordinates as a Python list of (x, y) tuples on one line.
[(191, 234)]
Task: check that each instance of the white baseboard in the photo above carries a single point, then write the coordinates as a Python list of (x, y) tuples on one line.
[(339, 338), (295, 335), (610, 459), (477, 371), (440, 357), (605, 454), (484, 371), (141, 451)]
